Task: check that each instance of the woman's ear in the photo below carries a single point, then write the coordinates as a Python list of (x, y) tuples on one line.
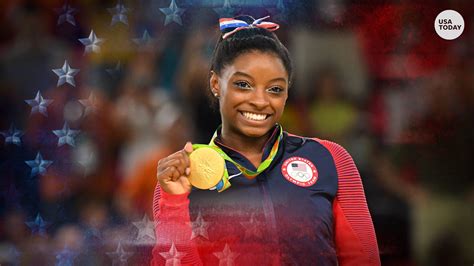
[(214, 84)]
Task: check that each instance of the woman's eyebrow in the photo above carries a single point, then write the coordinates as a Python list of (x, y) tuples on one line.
[(238, 73), (278, 79), (250, 77)]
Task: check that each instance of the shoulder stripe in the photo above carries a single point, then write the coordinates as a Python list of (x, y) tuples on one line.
[(351, 197)]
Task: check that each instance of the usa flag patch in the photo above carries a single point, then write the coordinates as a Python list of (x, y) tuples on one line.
[(299, 171)]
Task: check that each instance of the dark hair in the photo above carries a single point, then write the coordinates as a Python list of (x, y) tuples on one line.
[(251, 39)]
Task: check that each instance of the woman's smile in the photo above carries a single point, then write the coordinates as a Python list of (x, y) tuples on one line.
[(258, 117)]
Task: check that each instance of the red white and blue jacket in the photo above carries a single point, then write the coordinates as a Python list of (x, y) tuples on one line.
[(307, 208)]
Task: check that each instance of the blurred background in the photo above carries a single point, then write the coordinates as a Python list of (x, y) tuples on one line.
[(94, 93)]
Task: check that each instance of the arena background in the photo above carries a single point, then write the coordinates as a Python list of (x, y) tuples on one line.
[(78, 161)]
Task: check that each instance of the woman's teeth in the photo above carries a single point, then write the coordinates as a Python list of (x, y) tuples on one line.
[(256, 117)]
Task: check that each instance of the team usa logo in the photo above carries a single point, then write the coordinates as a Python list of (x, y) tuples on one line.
[(299, 171)]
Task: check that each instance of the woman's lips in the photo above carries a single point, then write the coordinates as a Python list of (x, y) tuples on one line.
[(256, 117)]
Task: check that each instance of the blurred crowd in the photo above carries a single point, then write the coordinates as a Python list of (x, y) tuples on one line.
[(372, 76)]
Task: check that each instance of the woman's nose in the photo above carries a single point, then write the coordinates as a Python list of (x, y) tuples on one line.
[(259, 98)]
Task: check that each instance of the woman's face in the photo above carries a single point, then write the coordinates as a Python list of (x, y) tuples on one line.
[(252, 93)]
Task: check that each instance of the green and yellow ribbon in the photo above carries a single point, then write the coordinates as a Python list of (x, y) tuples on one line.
[(225, 183)]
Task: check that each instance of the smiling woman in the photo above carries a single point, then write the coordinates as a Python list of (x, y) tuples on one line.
[(252, 94), (282, 199)]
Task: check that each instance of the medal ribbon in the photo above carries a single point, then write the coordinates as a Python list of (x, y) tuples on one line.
[(224, 183)]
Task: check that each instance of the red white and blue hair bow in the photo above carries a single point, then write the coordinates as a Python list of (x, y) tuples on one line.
[(237, 25)]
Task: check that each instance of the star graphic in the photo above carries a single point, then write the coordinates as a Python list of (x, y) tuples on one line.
[(66, 14), (226, 257), (331, 11), (90, 104), (39, 104), (173, 13), (92, 43), (92, 234), (38, 226), (144, 40), (65, 257), (252, 228), (11, 255), (66, 74), (146, 228), (173, 257), (119, 13), (280, 11), (88, 162), (119, 256), (116, 70), (280, 6), (66, 135), (12, 136), (200, 227), (38, 165), (226, 11)]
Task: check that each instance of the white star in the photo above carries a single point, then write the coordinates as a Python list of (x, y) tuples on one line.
[(39, 104), (115, 70), (38, 225), (280, 11), (90, 104), (119, 256), (12, 254), (200, 227), (66, 74), (66, 13), (88, 163), (144, 40), (146, 228), (226, 257), (173, 13), (65, 257), (12, 135), (280, 6), (38, 165), (119, 13), (92, 43), (173, 257), (66, 135), (92, 233), (252, 228), (226, 10)]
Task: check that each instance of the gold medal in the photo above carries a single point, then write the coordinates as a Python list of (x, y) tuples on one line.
[(207, 168)]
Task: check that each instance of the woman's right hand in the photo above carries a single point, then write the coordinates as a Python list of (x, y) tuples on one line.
[(173, 171)]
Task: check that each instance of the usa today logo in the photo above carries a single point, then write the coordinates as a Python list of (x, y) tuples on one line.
[(449, 24)]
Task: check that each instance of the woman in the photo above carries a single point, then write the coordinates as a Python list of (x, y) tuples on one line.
[(284, 199)]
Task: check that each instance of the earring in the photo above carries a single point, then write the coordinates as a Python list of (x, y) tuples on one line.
[(216, 95)]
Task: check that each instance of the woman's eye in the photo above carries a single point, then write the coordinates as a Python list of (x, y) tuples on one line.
[(242, 85), (275, 90)]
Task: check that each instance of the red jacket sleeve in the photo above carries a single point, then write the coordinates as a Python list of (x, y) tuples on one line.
[(173, 244), (355, 239)]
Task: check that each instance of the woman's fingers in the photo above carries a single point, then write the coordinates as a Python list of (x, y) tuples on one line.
[(179, 164), (172, 168), (170, 174), (188, 147), (180, 155)]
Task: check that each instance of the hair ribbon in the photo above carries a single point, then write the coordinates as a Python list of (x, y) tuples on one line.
[(237, 24)]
